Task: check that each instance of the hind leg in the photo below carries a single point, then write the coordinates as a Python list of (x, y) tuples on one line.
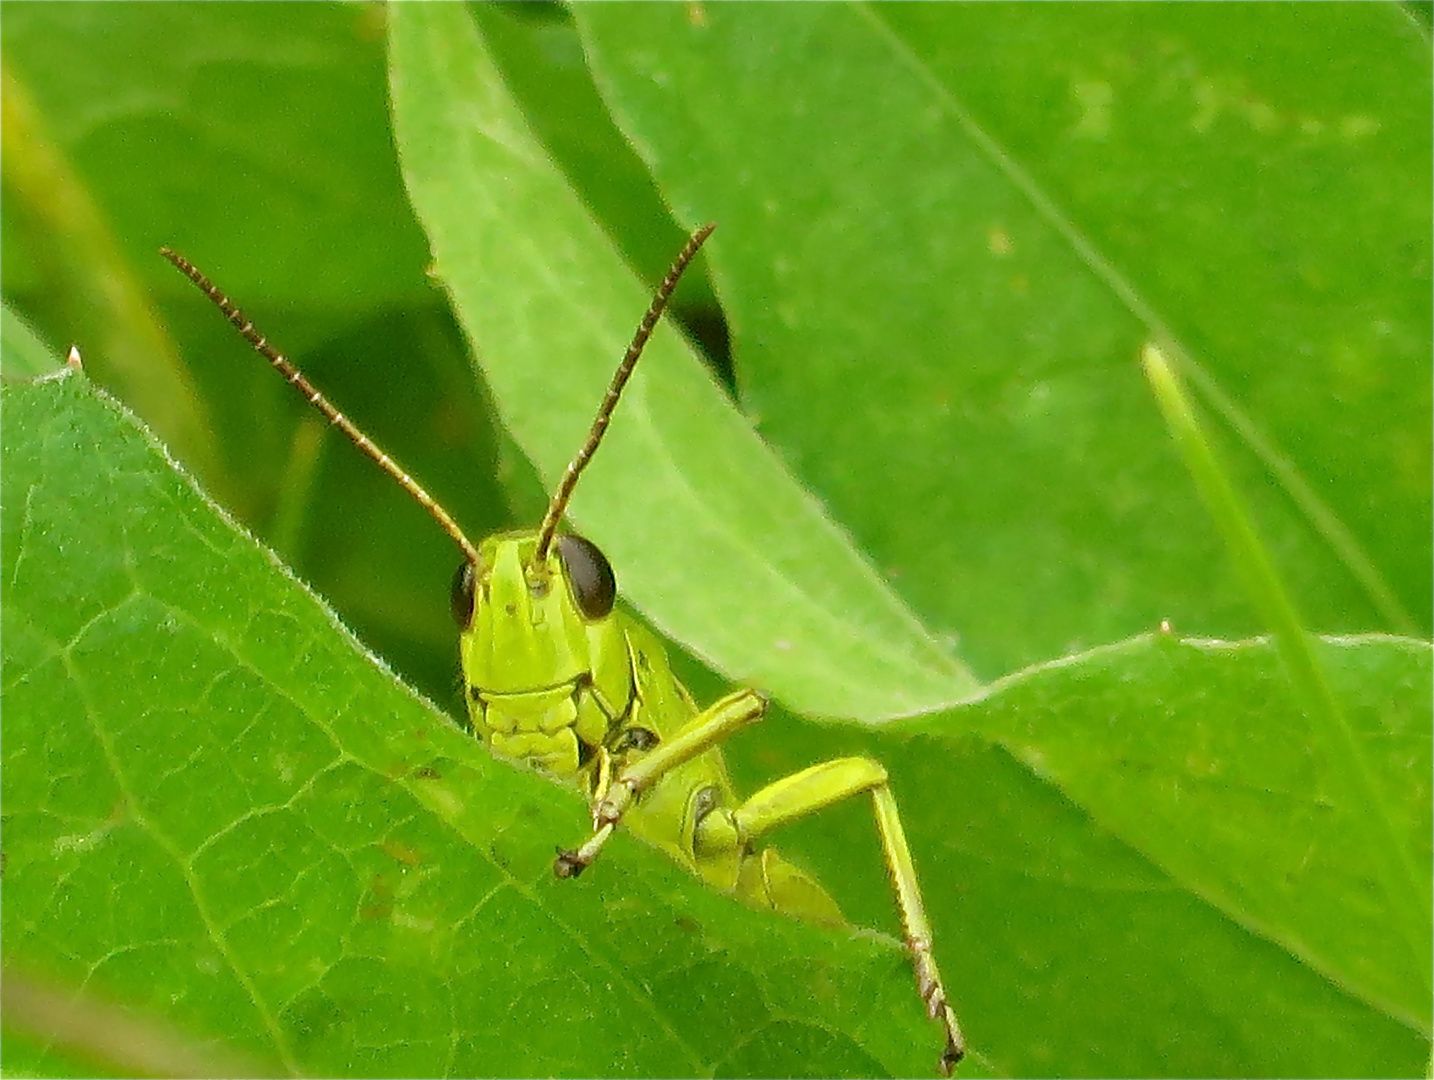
[(822, 785)]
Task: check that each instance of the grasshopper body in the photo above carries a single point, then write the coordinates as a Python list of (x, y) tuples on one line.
[(557, 676)]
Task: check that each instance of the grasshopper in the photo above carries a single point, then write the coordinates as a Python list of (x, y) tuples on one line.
[(555, 675)]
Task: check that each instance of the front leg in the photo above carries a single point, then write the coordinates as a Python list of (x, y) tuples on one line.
[(708, 729)]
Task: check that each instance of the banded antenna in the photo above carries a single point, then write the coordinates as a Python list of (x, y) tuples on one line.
[(564, 493), (296, 378)]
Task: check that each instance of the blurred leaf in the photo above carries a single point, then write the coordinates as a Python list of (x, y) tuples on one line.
[(1371, 823), (255, 140), (104, 302), (268, 118), (26, 355), (41, 1018)]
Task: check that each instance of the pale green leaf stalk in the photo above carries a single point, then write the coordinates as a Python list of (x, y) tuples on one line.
[(1348, 771)]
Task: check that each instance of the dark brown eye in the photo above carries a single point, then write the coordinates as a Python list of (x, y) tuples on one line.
[(461, 598), (594, 587)]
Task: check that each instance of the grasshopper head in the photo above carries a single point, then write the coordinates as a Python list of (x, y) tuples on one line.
[(529, 624), (545, 661)]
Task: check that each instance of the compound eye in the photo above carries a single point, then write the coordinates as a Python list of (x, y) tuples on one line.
[(590, 574), (461, 598)]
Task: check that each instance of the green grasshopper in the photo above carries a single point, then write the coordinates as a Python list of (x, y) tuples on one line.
[(556, 676)]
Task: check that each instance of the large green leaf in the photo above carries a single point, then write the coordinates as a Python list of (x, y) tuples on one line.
[(944, 232), (221, 808)]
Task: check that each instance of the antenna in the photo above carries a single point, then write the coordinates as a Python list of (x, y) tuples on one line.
[(575, 468), (294, 376)]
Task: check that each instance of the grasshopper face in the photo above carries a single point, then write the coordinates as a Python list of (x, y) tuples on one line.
[(545, 663)]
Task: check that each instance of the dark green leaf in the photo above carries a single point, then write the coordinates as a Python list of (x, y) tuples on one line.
[(947, 229), (220, 808)]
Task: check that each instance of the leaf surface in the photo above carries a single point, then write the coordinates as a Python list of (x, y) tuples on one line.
[(276, 843), (682, 481)]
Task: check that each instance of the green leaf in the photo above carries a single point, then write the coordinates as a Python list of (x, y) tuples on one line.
[(678, 480), (944, 232), (1135, 868), (265, 838), (220, 808), (947, 230), (1210, 770)]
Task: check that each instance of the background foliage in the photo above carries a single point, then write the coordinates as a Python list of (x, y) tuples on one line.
[(945, 232)]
